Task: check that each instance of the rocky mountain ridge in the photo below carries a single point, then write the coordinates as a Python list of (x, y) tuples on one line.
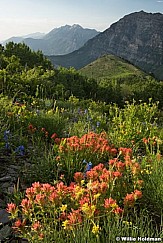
[(62, 40), (137, 37)]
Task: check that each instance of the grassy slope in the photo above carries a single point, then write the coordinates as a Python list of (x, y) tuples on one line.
[(111, 67)]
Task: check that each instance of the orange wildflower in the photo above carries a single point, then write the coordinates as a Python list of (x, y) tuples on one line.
[(26, 205), (53, 136), (18, 223), (145, 140), (78, 177), (120, 165), (36, 226), (138, 194), (118, 211), (117, 174), (129, 199), (31, 128), (110, 203), (11, 208), (75, 217)]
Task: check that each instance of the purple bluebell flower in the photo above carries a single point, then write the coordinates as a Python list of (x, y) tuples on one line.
[(20, 150), (88, 166), (6, 135), (7, 146)]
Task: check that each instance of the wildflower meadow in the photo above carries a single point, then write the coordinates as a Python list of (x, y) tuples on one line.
[(89, 171)]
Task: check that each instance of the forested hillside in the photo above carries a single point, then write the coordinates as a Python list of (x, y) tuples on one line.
[(25, 73)]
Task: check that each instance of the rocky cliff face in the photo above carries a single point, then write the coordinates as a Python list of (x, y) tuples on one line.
[(138, 38)]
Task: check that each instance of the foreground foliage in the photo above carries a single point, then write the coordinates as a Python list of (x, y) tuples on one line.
[(93, 169), (88, 167)]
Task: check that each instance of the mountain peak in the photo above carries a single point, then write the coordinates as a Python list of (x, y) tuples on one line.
[(67, 26), (76, 26), (137, 38), (62, 40), (142, 14)]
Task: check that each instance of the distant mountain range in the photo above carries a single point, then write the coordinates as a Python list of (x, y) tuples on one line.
[(137, 37), (18, 39), (59, 41)]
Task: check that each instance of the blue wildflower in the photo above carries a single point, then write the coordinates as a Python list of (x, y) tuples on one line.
[(98, 124), (85, 111), (20, 150), (6, 135), (75, 119), (6, 138), (88, 167), (84, 161), (89, 118), (7, 146), (79, 111)]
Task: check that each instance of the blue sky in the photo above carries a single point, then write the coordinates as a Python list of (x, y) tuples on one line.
[(20, 17)]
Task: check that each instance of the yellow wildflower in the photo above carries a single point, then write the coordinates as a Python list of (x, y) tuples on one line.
[(63, 207), (127, 222), (65, 224), (82, 182), (88, 210), (97, 195), (78, 192), (95, 229), (85, 208), (50, 112), (93, 208)]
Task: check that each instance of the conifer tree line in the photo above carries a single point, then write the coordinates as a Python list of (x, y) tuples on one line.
[(25, 73)]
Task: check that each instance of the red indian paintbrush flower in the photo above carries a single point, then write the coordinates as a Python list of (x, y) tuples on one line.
[(54, 135), (78, 177), (11, 208), (110, 203), (129, 200)]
